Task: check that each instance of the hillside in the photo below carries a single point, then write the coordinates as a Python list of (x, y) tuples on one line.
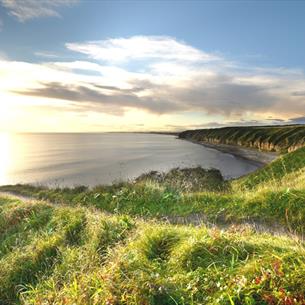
[(55, 254), (266, 138), (118, 245)]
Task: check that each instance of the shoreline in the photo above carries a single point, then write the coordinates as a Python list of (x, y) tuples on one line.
[(258, 157)]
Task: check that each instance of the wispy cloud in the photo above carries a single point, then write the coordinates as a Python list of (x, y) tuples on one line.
[(299, 93), (46, 54), (24, 10), (297, 120), (98, 98), (141, 48), (1, 25)]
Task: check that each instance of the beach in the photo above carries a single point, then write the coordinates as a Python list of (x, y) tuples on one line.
[(259, 158)]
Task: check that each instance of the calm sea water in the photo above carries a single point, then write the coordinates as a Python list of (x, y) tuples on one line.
[(90, 159)]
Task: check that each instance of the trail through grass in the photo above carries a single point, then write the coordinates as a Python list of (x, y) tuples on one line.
[(121, 260)]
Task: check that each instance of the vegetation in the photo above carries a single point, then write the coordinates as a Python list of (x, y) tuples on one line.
[(109, 245), (267, 138), (187, 179), (55, 254)]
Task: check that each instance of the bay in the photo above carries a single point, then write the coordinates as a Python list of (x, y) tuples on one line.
[(63, 159)]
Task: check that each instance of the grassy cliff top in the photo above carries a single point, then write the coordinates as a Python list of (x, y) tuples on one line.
[(269, 138)]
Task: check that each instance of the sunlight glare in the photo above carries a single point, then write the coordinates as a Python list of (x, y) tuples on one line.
[(4, 157)]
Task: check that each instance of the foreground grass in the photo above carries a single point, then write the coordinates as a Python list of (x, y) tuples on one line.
[(77, 255)]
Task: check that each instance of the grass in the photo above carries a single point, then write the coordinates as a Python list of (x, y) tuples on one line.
[(187, 179), (121, 260), (106, 245), (287, 164), (268, 138)]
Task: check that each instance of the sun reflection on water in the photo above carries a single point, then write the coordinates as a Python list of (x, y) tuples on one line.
[(4, 157)]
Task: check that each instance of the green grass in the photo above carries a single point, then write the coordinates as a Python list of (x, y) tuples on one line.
[(268, 138), (187, 179), (106, 245), (122, 260), (274, 172)]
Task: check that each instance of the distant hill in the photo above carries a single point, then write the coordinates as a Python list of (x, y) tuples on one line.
[(266, 138)]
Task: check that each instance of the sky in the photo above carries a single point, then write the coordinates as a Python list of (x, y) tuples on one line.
[(95, 66)]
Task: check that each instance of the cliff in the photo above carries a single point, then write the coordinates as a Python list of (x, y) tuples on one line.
[(281, 139)]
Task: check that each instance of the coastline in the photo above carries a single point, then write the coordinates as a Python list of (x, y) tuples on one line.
[(258, 157)]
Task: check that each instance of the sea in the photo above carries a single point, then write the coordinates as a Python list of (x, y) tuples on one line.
[(72, 159)]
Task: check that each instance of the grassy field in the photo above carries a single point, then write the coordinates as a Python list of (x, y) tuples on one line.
[(55, 254), (108, 245), (266, 138)]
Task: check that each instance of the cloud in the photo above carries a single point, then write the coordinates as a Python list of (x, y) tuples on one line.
[(170, 78), (297, 120), (94, 99), (1, 25), (221, 95), (215, 125), (240, 123), (29, 9), (298, 93), (45, 54), (218, 96), (141, 48)]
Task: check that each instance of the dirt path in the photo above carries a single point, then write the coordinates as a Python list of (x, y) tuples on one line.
[(259, 227), (197, 219), (18, 196)]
